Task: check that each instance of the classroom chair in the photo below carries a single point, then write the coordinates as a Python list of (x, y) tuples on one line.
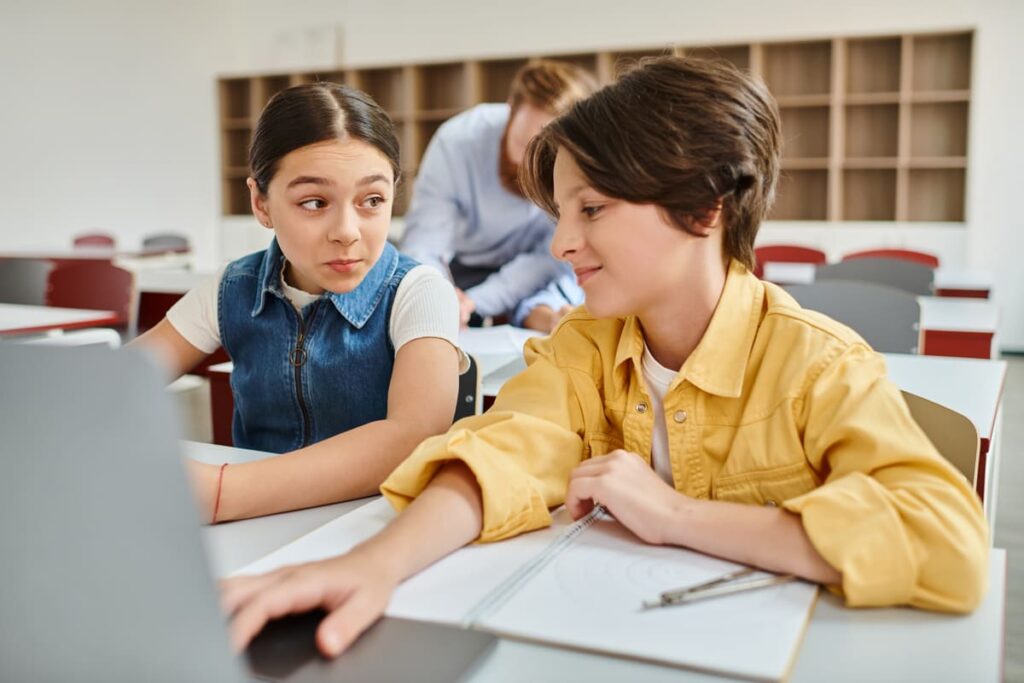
[(921, 257), (785, 253), (888, 319), (905, 275), (95, 285), (94, 239), (470, 399), (165, 242), (23, 281), (952, 434)]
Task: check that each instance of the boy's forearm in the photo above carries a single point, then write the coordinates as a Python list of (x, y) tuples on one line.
[(766, 537)]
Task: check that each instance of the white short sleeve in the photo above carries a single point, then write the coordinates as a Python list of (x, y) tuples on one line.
[(426, 306), (194, 315)]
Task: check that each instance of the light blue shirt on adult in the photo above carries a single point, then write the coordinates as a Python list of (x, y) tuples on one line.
[(461, 210)]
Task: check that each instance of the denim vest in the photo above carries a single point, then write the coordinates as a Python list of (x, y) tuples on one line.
[(301, 379)]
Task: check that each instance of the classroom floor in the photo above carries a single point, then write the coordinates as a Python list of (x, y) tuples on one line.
[(194, 403), (1009, 532)]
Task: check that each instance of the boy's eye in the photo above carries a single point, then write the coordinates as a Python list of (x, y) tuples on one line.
[(374, 201), (313, 204)]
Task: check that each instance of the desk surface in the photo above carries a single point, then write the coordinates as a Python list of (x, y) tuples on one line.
[(952, 314), (20, 319), (973, 387), (841, 643), (169, 280)]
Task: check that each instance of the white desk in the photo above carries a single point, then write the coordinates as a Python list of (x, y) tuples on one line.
[(169, 280), (18, 319), (841, 644)]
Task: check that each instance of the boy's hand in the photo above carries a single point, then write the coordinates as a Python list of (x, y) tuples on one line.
[(353, 589), (629, 489)]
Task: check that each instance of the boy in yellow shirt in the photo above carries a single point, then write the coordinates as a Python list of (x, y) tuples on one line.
[(702, 407)]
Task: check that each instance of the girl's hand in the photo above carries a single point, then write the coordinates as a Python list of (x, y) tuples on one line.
[(629, 489), (353, 589), (466, 307)]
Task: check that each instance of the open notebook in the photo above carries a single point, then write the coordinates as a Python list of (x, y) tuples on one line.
[(581, 585)]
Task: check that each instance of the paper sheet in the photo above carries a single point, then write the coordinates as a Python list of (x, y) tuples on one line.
[(589, 596)]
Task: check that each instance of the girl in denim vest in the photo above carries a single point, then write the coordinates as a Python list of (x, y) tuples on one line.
[(345, 351), (702, 407)]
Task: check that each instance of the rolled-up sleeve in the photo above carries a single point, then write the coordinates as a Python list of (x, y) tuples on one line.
[(521, 451), (893, 516)]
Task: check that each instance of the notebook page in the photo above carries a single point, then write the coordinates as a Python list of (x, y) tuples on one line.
[(444, 592), (589, 597)]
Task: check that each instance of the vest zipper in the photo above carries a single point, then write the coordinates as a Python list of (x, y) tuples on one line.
[(298, 359)]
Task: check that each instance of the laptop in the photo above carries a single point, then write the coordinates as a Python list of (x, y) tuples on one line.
[(103, 573)]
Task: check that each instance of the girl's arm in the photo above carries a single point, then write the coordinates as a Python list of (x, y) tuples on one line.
[(421, 402), (177, 354), (355, 588)]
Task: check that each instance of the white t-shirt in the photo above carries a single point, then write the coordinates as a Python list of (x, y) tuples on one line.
[(425, 306), (658, 378)]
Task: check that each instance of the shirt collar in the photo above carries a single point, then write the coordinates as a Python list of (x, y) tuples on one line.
[(356, 306), (719, 363)]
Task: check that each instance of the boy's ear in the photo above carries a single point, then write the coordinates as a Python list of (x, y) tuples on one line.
[(259, 203), (711, 219)]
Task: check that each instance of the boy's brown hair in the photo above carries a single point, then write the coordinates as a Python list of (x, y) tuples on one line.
[(678, 133)]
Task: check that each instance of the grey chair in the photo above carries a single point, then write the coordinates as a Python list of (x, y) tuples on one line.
[(23, 281), (911, 277), (887, 318), (169, 242)]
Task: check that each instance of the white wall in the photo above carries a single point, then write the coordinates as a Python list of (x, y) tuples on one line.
[(120, 129)]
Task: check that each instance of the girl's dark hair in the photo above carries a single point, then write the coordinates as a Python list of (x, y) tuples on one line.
[(675, 132), (306, 114)]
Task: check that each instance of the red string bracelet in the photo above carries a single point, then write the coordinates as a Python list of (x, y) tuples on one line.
[(216, 502)]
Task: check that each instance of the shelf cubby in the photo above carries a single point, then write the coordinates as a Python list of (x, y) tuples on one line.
[(938, 130), (798, 68), (936, 194), (737, 55), (805, 132), (941, 62), (443, 87), (871, 130), (235, 96), (869, 194), (387, 87), (801, 195), (873, 65), (497, 75)]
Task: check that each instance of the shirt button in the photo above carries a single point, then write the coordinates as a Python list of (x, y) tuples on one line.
[(680, 416), (641, 407)]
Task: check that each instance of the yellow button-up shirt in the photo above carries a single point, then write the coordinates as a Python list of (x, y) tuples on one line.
[(776, 404)]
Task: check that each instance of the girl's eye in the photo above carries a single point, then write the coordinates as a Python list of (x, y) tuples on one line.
[(374, 201), (313, 204), (591, 211)]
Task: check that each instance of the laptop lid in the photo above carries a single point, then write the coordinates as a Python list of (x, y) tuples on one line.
[(102, 573), (104, 576)]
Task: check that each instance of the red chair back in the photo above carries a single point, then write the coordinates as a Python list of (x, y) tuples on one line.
[(96, 239), (902, 254), (785, 253), (94, 285)]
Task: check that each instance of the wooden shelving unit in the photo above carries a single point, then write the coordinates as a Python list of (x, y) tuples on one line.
[(874, 128)]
